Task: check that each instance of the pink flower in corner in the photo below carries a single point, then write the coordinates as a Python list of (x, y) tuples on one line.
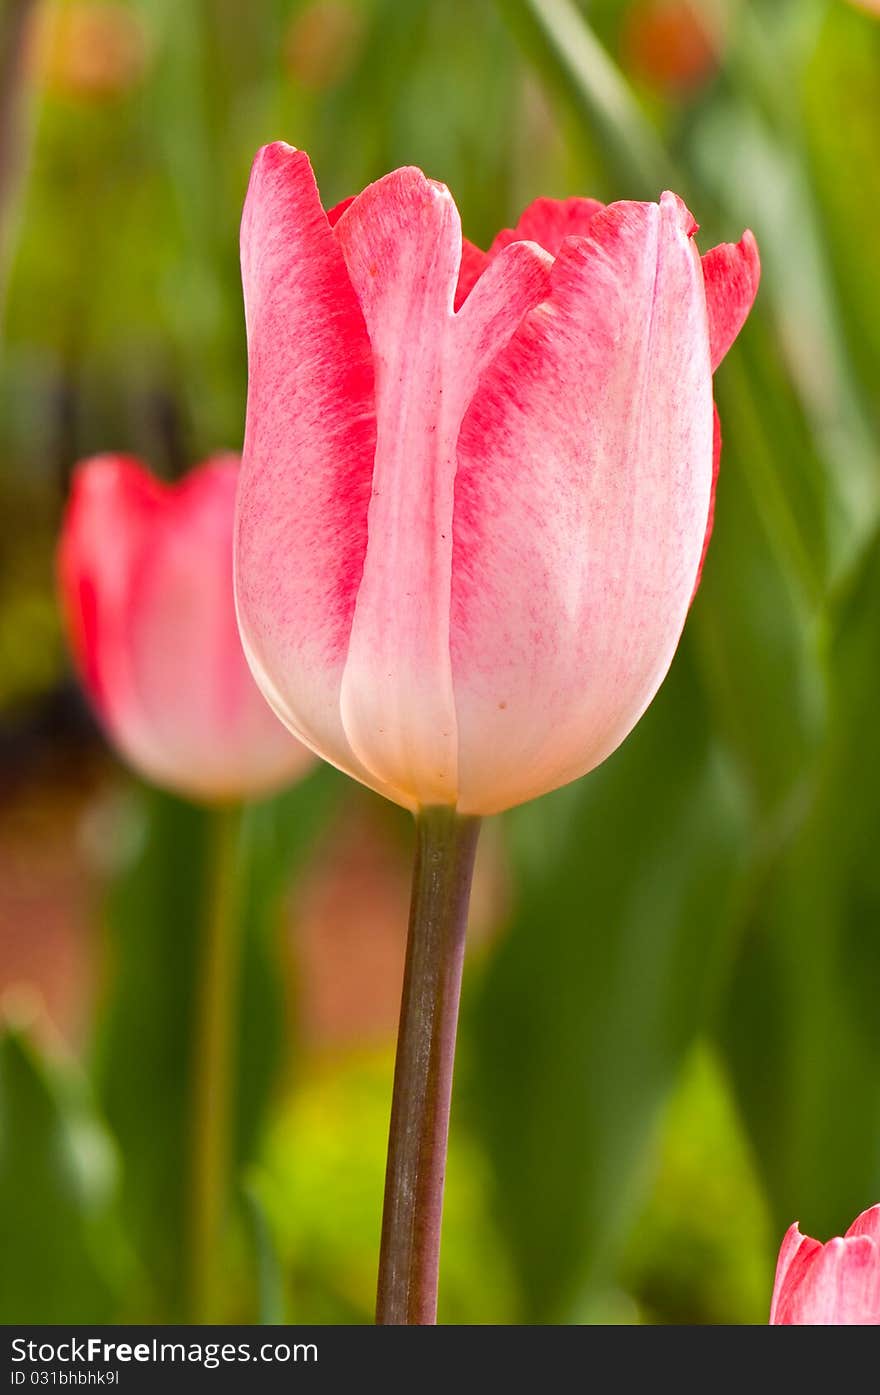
[(834, 1284), (145, 572), (476, 487)]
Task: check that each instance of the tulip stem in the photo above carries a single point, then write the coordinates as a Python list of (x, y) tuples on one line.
[(410, 1251), (213, 1068)]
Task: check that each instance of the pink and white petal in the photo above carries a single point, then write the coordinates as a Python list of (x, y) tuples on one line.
[(795, 1254), (836, 1286), (179, 637), (402, 244), (549, 222), (732, 272), (858, 1289), (258, 752), (515, 281), (304, 489), (473, 263), (206, 729), (582, 498), (710, 522), (868, 1223)]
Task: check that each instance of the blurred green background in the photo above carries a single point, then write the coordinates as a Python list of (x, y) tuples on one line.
[(670, 1040)]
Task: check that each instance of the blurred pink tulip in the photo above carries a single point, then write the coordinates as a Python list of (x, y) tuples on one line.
[(145, 571), (837, 1284), (476, 487)]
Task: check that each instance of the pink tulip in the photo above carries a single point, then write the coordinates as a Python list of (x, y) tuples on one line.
[(145, 571), (835, 1284), (476, 487)]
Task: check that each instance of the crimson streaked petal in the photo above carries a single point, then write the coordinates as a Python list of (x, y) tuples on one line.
[(585, 469), (549, 222), (868, 1223), (473, 263), (732, 272), (834, 1284), (301, 532), (402, 243)]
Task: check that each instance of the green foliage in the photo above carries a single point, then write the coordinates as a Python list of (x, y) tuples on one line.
[(703, 1249), (801, 1025), (146, 1056), (62, 1254), (600, 986)]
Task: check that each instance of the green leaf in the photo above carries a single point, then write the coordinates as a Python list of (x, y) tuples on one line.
[(276, 839), (557, 39), (801, 1027), (844, 74), (603, 979), (270, 1277), (753, 164), (62, 1253), (147, 1031), (756, 618)]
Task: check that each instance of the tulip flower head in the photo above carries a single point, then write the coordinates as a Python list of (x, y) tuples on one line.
[(145, 571), (837, 1284), (476, 486)]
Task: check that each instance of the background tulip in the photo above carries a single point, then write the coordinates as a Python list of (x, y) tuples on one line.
[(468, 538), (146, 580), (833, 1284)]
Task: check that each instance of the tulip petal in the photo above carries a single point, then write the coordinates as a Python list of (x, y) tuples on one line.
[(582, 498), (834, 1284), (146, 582), (113, 503), (710, 523), (301, 531), (515, 281), (196, 696), (868, 1223), (856, 1300), (335, 213), (546, 222), (795, 1253), (402, 244), (473, 263), (549, 222), (731, 272)]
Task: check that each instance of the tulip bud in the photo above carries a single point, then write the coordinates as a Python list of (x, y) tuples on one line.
[(837, 1284), (476, 486), (145, 572)]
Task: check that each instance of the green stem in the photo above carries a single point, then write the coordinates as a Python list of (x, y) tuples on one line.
[(213, 1069), (410, 1251)]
